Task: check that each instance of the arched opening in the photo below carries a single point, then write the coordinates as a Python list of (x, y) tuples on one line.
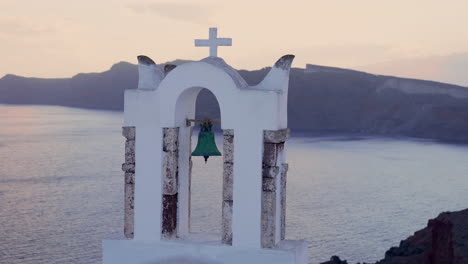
[(200, 208), (206, 178)]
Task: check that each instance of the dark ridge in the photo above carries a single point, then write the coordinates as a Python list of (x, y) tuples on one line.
[(284, 62), (145, 60), (326, 101), (169, 67)]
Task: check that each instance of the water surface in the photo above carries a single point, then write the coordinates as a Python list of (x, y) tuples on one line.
[(61, 188)]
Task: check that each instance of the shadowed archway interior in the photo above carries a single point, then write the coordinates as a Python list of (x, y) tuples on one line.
[(206, 179)]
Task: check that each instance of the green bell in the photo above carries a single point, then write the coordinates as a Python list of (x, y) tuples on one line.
[(206, 145)]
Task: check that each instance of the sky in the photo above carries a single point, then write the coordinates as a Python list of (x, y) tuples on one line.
[(410, 38)]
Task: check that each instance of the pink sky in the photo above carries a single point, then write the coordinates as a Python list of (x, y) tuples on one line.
[(59, 38)]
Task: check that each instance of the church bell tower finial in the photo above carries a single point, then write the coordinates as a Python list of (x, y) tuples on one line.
[(213, 42)]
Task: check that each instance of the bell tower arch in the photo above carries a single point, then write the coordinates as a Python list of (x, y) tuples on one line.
[(254, 124), (178, 214)]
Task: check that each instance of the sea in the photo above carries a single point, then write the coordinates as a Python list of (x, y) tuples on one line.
[(61, 188)]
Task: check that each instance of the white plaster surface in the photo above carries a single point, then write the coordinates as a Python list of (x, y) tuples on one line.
[(239, 104), (247, 192), (149, 76), (183, 208), (148, 171), (168, 252), (167, 103)]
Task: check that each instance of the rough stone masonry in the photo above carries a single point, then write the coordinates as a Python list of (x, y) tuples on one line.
[(273, 187), (228, 175), (170, 181), (129, 168)]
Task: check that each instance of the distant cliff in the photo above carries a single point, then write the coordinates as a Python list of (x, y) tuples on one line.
[(443, 241), (322, 100), (87, 90)]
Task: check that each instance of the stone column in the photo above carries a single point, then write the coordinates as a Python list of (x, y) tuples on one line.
[(129, 189), (183, 182), (283, 174), (228, 175), (170, 181), (273, 187)]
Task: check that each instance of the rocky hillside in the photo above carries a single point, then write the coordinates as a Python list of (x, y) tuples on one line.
[(87, 90), (443, 241), (322, 100)]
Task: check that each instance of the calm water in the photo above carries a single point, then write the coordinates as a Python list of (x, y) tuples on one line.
[(61, 188)]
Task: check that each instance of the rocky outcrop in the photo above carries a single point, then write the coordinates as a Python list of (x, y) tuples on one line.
[(443, 241), (335, 260)]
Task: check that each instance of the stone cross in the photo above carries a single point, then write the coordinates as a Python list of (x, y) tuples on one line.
[(213, 42)]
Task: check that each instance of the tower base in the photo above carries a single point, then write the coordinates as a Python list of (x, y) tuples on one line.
[(180, 252)]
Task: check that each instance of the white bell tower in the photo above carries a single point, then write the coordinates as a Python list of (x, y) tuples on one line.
[(158, 165)]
